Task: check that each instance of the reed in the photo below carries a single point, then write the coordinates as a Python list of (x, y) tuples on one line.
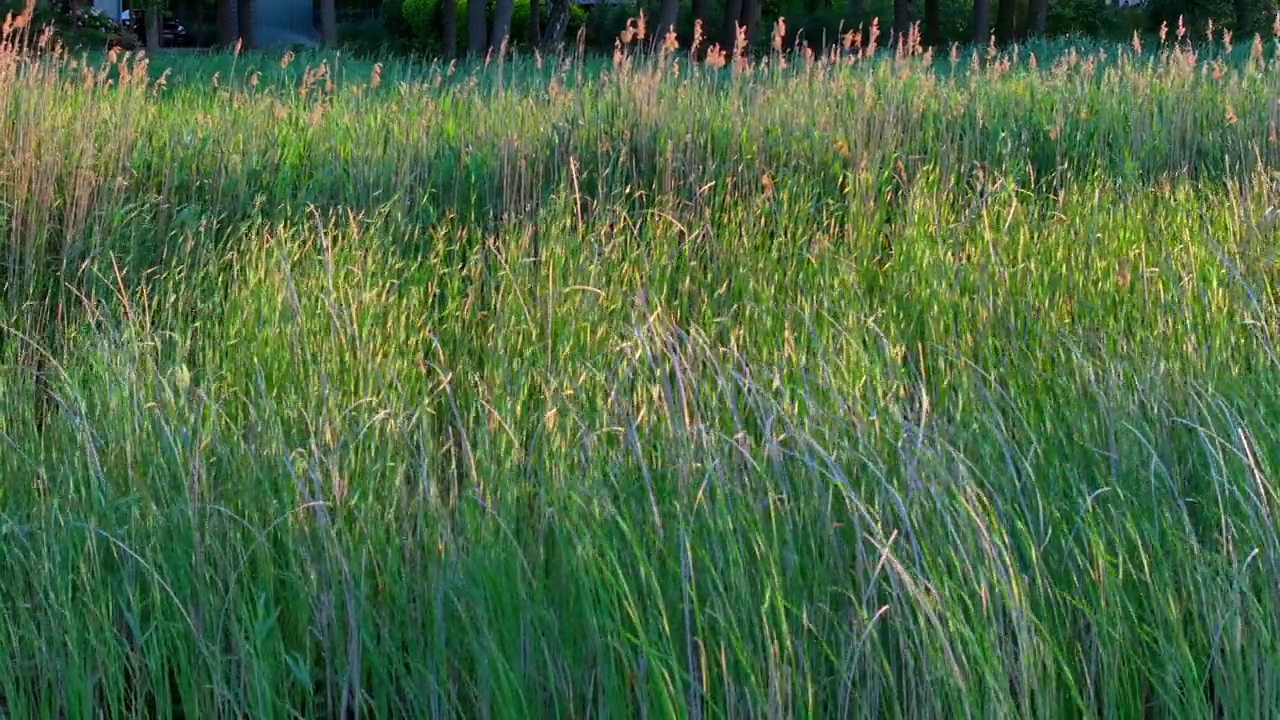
[(814, 383)]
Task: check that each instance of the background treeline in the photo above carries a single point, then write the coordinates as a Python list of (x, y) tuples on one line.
[(457, 28), (425, 24), (441, 27)]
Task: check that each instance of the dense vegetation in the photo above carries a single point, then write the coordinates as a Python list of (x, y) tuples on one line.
[(815, 386), (433, 28)]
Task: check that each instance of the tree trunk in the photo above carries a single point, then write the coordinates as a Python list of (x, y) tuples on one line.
[(1039, 17), (502, 15), (668, 15), (535, 22), (329, 23), (702, 12), (1006, 21), (932, 23), (751, 18), (477, 33), (151, 17), (449, 28), (981, 21), (901, 23), (557, 23), (732, 16), (227, 30), (244, 13)]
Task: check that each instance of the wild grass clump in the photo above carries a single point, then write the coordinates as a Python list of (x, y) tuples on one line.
[(822, 383)]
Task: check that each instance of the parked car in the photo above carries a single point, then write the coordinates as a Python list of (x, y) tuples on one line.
[(172, 32)]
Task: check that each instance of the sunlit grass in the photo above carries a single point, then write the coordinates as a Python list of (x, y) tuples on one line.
[(838, 387)]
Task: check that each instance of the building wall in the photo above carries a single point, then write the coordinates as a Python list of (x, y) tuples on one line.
[(111, 8)]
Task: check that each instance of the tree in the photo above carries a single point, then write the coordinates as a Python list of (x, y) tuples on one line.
[(668, 15), (981, 21), (502, 14), (535, 22), (328, 23), (477, 30), (557, 23), (901, 22), (702, 11), (1039, 17), (751, 10), (732, 17), (932, 22), (1006, 21), (227, 30), (244, 13), (151, 17), (449, 27)]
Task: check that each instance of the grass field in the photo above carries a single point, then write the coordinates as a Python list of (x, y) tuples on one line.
[(845, 387)]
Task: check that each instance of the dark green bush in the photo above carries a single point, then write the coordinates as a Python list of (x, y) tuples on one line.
[(372, 38), (1094, 18)]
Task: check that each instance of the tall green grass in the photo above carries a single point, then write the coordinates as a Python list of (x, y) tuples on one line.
[(844, 387)]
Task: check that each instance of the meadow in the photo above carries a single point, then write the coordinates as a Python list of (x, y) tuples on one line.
[(864, 384)]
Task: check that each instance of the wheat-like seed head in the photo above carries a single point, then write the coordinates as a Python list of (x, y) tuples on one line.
[(670, 43), (715, 57)]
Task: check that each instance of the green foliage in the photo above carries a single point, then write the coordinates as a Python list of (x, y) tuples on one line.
[(77, 29), (424, 19), (819, 21), (1094, 18), (605, 21), (1245, 17), (90, 28), (371, 38), (395, 17)]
